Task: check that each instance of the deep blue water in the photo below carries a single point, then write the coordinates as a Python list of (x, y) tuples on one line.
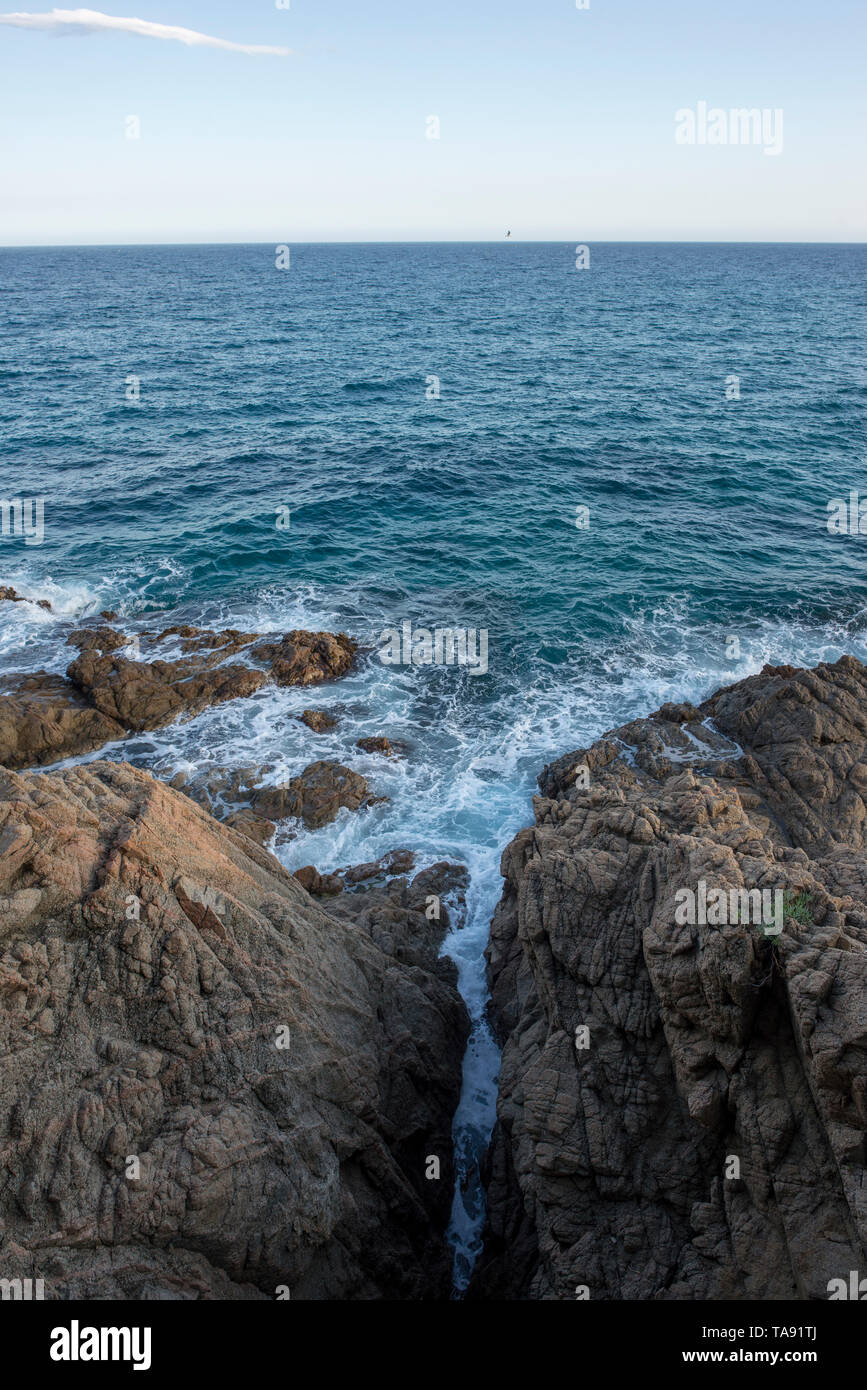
[(307, 388)]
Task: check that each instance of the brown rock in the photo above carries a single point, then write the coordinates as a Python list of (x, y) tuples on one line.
[(315, 796), (8, 595), (134, 695), (320, 885), (386, 906), (612, 1163), (151, 961), (221, 790), (391, 865), (143, 695), (304, 658), (376, 745), (100, 639), (43, 719), (255, 826), (447, 882), (318, 720)]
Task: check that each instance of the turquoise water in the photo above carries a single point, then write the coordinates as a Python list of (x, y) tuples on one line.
[(309, 389)]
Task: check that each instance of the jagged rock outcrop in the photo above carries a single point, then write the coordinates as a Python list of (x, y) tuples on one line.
[(397, 863), (209, 1086), (318, 720), (107, 695), (315, 796), (9, 595), (705, 1137), (316, 884), (443, 882), (377, 745), (44, 719)]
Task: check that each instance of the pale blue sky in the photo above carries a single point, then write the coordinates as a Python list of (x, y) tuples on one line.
[(557, 123)]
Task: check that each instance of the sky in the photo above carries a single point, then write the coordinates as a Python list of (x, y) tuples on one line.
[(554, 122)]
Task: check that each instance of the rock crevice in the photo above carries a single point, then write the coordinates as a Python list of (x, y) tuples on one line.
[(683, 1105)]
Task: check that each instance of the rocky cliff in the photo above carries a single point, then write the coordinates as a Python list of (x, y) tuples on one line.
[(217, 1084), (683, 1104), (210, 1086)]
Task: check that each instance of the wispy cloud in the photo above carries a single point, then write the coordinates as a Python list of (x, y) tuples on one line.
[(92, 21)]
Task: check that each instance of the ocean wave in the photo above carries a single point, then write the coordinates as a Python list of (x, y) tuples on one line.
[(465, 785)]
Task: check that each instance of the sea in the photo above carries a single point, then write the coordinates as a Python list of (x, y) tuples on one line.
[(620, 464)]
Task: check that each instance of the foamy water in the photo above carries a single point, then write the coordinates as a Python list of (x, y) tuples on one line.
[(307, 391), (464, 787)]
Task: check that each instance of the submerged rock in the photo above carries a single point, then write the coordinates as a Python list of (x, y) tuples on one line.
[(376, 745), (391, 865), (315, 796), (8, 595), (221, 790), (211, 1088), (683, 1103), (108, 694), (318, 720)]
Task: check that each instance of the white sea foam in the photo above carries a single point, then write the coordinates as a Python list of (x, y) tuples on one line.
[(465, 786), (33, 638)]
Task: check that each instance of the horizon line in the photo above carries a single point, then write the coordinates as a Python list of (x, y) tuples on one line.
[(426, 241)]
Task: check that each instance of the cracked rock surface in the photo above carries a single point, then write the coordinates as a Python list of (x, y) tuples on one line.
[(705, 1138), (107, 694), (209, 1086)]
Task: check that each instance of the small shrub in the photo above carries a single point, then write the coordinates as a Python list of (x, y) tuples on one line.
[(799, 906)]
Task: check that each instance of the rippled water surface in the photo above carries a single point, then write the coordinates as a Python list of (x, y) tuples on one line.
[(706, 555)]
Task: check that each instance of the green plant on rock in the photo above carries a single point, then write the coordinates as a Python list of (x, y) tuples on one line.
[(798, 906)]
